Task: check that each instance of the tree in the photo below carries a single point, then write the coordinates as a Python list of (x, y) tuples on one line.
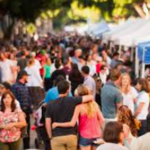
[(13, 10)]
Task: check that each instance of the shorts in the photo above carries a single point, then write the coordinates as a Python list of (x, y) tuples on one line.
[(87, 142)]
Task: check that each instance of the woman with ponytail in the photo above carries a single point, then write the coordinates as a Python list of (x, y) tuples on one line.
[(90, 121)]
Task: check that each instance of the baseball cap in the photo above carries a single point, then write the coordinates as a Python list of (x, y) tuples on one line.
[(22, 73)]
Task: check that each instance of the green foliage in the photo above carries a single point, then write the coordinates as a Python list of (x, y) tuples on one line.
[(29, 10)]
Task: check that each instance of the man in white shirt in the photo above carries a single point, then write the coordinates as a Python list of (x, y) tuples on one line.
[(6, 68)]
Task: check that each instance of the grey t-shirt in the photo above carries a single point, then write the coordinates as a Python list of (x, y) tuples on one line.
[(90, 83), (110, 96), (111, 146)]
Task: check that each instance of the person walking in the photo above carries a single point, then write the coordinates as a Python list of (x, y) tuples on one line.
[(12, 120), (90, 121), (111, 97), (61, 110), (21, 93)]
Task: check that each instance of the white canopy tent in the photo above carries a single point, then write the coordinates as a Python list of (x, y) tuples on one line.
[(141, 40), (130, 29), (98, 29), (107, 35), (128, 39)]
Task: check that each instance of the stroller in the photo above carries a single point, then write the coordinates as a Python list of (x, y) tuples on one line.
[(39, 126)]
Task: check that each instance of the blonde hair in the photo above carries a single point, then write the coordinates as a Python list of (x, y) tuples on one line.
[(48, 61), (91, 107), (127, 88), (31, 61)]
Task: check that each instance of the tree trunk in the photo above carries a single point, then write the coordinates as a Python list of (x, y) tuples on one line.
[(139, 10), (7, 24)]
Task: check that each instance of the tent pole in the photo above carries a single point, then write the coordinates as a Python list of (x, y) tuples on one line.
[(132, 52), (136, 63), (120, 51), (143, 64)]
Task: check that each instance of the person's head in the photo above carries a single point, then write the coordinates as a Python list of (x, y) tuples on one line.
[(119, 66), (63, 87), (99, 59), (57, 64), (88, 57), (113, 133), (125, 79), (91, 107), (8, 100), (66, 62), (125, 117), (23, 76), (48, 61), (23, 53), (103, 69), (12, 56), (31, 62), (116, 55), (81, 59), (104, 53), (82, 90), (94, 56), (134, 83), (75, 67), (33, 54), (143, 85), (78, 52), (85, 70), (2, 56), (115, 75), (58, 79), (5, 86)]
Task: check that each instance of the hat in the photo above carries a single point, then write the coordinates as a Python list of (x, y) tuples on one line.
[(22, 73), (43, 52), (5, 85)]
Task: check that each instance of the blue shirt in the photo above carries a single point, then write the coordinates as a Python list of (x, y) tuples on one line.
[(53, 94)]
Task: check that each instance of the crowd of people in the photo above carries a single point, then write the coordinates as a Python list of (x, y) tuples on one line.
[(81, 94)]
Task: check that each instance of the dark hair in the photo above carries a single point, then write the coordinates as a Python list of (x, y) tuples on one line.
[(112, 132), (114, 74), (115, 54), (144, 85), (75, 71), (58, 79), (57, 63), (6, 85), (23, 53), (103, 67), (85, 69), (13, 104), (63, 86)]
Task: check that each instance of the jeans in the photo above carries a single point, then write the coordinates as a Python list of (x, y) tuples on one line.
[(67, 142), (11, 146)]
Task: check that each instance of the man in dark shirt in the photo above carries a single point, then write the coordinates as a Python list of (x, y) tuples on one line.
[(62, 110), (21, 93), (58, 71)]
